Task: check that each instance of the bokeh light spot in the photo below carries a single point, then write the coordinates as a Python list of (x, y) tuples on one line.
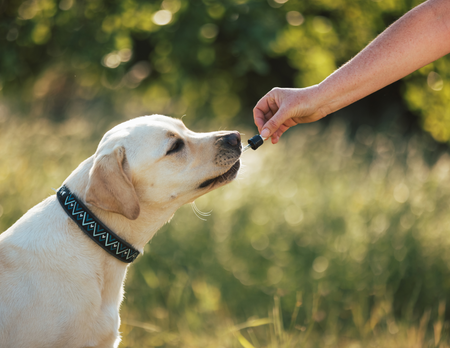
[(260, 242), (274, 275), (65, 4), (293, 215), (320, 264), (12, 35), (209, 31), (111, 60), (171, 5), (322, 24), (28, 9), (401, 193), (435, 81), (162, 17), (295, 18)]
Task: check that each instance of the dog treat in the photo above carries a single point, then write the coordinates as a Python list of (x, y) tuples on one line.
[(254, 142)]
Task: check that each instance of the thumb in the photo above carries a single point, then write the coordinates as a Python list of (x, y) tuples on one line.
[(273, 124)]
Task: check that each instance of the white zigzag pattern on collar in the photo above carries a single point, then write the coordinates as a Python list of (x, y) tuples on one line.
[(95, 230)]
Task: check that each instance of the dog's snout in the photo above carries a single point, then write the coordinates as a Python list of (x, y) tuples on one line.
[(233, 139)]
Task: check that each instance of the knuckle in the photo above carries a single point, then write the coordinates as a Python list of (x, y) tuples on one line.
[(272, 124)]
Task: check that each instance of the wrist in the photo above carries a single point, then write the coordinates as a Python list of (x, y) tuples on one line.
[(332, 95), (321, 99)]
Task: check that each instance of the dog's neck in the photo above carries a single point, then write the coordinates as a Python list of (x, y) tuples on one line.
[(136, 232)]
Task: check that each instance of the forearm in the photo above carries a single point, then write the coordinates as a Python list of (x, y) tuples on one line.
[(415, 40)]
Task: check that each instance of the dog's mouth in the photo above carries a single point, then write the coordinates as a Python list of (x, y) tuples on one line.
[(225, 177)]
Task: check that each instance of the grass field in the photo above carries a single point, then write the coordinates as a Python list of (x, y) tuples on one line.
[(324, 240)]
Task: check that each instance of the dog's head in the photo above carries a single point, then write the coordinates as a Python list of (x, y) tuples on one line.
[(156, 161)]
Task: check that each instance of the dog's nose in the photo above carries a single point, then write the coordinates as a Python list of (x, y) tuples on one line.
[(233, 139)]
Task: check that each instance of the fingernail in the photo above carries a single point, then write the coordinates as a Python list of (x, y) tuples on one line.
[(265, 133)]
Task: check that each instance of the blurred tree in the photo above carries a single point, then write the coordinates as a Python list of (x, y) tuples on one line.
[(212, 58)]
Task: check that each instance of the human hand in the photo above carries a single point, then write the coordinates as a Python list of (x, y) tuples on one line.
[(283, 108)]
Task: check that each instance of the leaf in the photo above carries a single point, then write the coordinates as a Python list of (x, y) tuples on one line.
[(243, 341), (251, 323)]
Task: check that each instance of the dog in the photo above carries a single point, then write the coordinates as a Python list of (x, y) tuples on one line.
[(61, 286)]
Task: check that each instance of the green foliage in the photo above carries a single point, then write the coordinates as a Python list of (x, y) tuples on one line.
[(427, 94), (211, 59)]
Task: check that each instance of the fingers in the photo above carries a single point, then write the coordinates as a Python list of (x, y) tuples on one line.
[(283, 108), (263, 120), (272, 111), (273, 124), (273, 105), (261, 111), (265, 109), (276, 136), (268, 114), (259, 118)]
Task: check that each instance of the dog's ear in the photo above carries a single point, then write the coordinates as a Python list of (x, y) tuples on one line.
[(110, 187)]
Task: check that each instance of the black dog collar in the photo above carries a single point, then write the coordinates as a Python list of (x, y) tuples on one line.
[(94, 228)]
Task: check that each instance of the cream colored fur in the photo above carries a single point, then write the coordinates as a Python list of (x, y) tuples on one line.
[(57, 287)]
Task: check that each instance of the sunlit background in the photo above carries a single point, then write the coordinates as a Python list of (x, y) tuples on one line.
[(338, 236)]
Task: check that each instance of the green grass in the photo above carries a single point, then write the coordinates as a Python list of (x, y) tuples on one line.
[(322, 241)]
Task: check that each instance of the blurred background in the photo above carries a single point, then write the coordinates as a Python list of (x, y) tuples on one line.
[(338, 236)]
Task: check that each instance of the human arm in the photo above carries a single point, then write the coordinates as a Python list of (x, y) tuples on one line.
[(418, 38)]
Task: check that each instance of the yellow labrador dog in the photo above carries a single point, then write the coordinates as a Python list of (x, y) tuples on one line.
[(63, 264)]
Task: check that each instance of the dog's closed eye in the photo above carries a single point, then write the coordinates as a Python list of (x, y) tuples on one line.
[(176, 147)]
